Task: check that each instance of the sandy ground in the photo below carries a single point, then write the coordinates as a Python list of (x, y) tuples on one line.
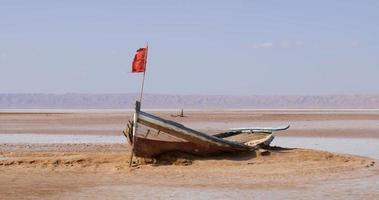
[(100, 171), (106, 175)]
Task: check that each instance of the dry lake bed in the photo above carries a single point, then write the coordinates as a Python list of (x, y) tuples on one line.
[(81, 154)]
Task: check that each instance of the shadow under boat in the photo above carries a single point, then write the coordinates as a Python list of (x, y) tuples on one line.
[(151, 136)]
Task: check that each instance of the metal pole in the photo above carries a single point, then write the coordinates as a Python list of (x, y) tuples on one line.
[(143, 83), (143, 79), (137, 109)]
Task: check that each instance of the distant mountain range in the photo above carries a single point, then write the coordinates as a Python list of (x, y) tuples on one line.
[(126, 101)]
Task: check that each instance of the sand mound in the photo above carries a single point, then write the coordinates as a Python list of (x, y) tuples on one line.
[(68, 161), (51, 174), (276, 156)]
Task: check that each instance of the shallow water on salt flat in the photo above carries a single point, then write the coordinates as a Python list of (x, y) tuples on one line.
[(368, 147)]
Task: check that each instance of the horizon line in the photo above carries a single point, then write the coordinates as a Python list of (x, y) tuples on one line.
[(173, 94)]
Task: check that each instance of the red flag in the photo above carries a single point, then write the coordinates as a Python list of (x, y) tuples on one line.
[(139, 62)]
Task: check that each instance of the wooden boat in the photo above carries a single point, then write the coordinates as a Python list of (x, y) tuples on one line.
[(151, 136)]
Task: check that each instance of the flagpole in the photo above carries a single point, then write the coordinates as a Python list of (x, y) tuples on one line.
[(140, 100), (144, 72), (143, 82)]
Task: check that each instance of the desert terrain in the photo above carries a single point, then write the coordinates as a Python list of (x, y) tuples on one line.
[(57, 168)]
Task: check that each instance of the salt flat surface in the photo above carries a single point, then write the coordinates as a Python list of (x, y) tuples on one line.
[(293, 111), (368, 147), (59, 139), (295, 125)]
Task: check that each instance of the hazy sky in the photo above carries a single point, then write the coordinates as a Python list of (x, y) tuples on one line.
[(195, 47)]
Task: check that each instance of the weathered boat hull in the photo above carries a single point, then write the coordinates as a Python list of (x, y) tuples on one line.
[(151, 148), (151, 136)]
